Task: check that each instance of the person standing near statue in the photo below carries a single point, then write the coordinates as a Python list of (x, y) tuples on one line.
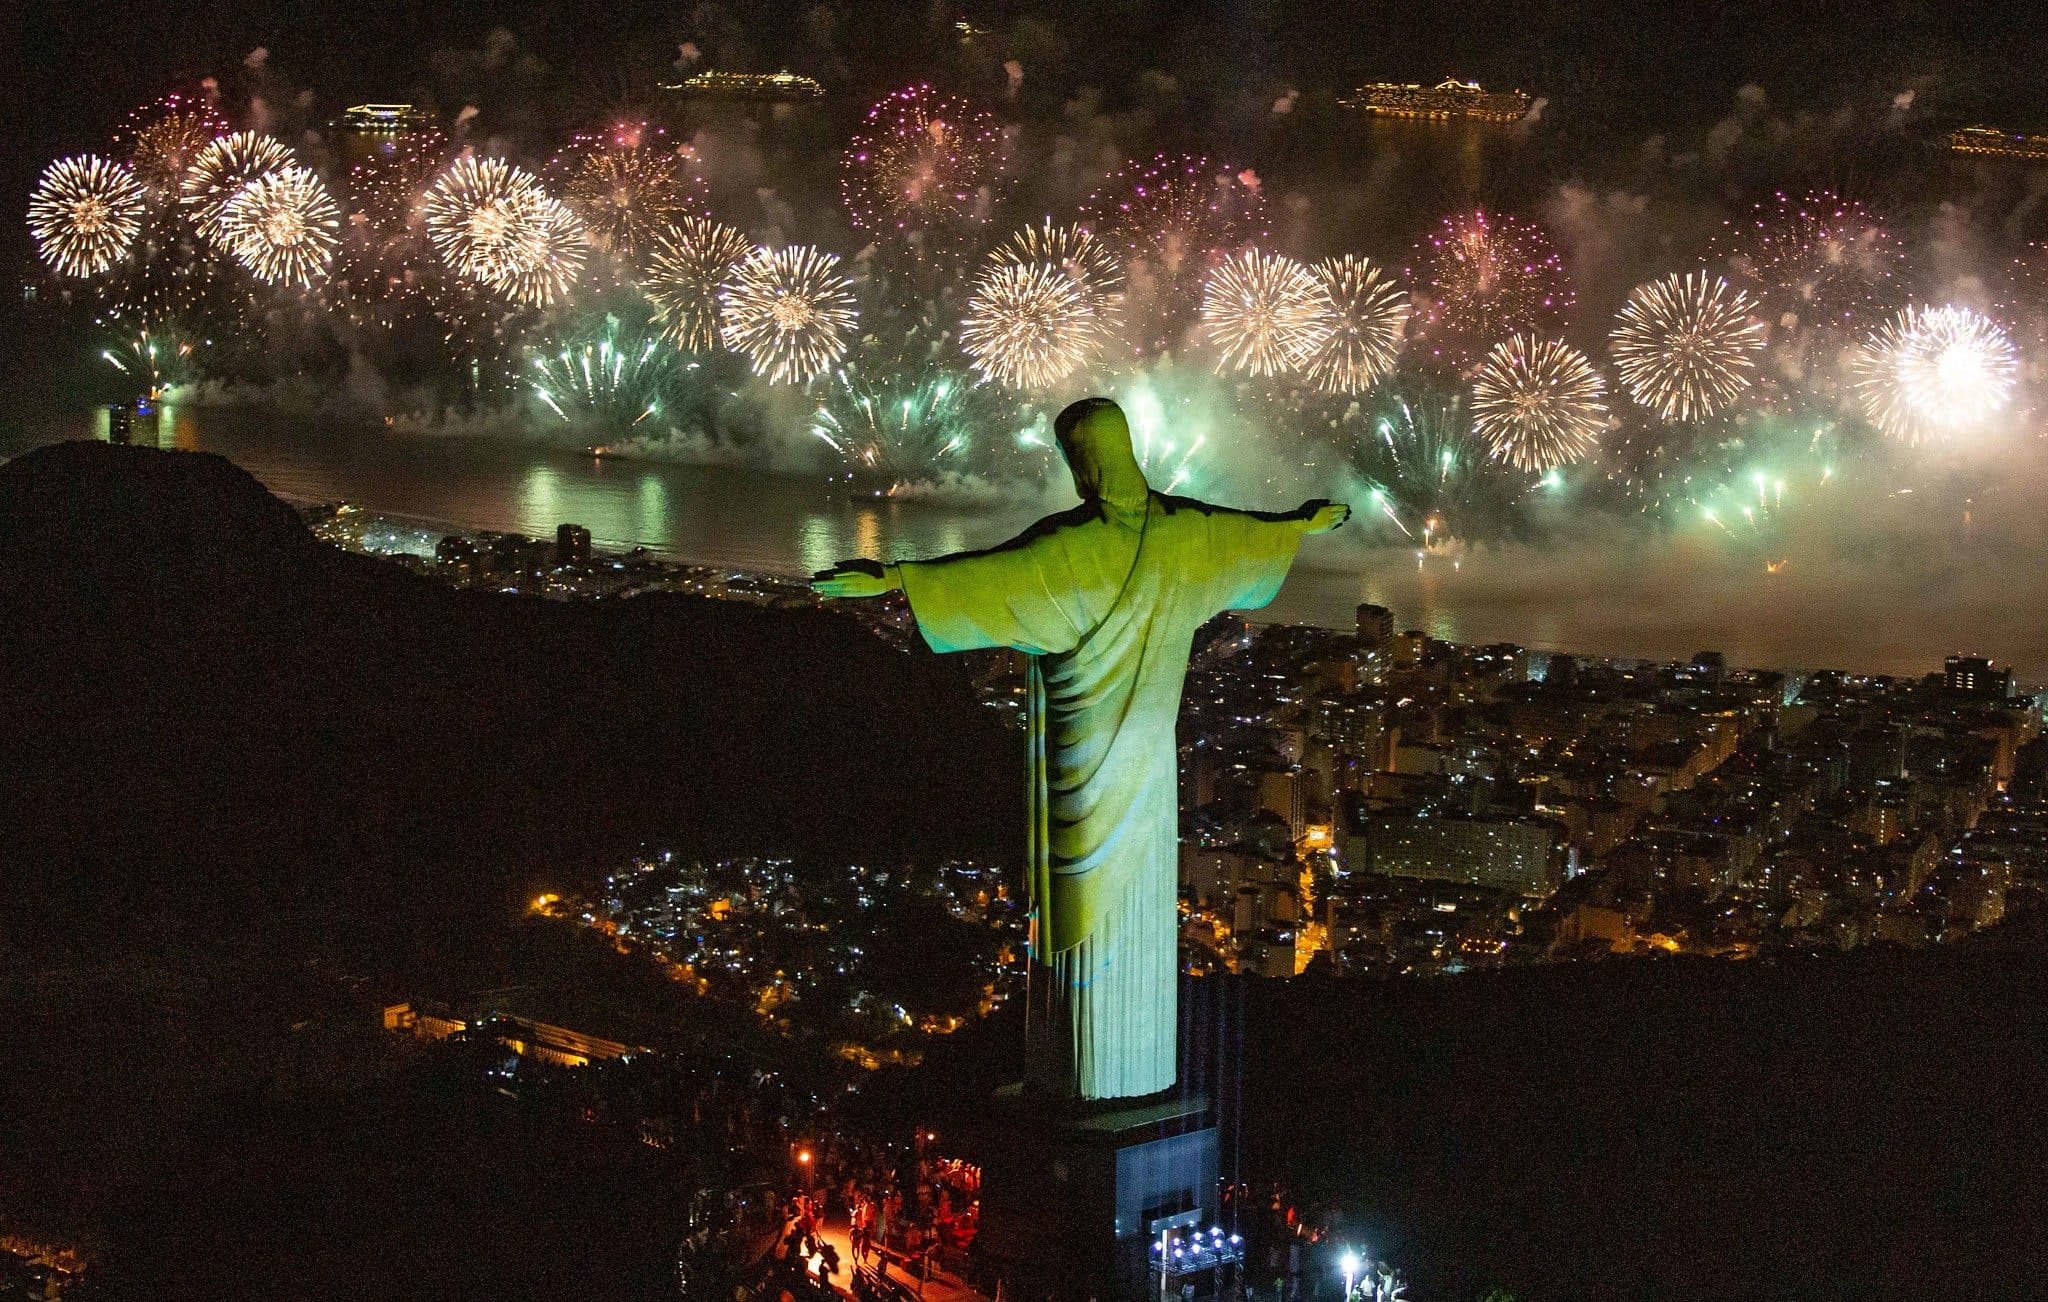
[(1105, 600)]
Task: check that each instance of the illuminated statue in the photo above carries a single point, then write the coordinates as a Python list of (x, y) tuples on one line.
[(1105, 599)]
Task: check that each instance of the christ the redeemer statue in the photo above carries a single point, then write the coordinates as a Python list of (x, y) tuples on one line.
[(1105, 599)]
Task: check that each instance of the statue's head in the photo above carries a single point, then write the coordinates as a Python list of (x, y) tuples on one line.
[(1096, 440)]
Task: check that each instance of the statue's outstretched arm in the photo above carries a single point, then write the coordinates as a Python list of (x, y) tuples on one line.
[(857, 578), (1318, 515)]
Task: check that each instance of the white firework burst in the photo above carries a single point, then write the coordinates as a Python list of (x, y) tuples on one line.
[(85, 214), (1263, 312), (1366, 315), (692, 260), (1934, 372), (1537, 403), (283, 226), (789, 312), (1030, 326), (1686, 346), (221, 169)]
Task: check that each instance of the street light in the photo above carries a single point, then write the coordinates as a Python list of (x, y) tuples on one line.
[(1349, 1265)]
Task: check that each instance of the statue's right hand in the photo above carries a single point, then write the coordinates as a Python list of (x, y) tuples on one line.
[(1323, 515), (858, 578)]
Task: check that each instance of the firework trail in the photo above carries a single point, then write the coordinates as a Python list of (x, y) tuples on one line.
[(1537, 403), (789, 312), (85, 214), (613, 382), (896, 425), (691, 264), (1179, 419), (158, 359), (1686, 346), (1424, 471)]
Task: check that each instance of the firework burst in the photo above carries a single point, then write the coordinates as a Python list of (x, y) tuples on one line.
[(485, 215), (691, 263), (922, 162), (895, 425), (1030, 325), (221, 169), (1686, 346), (1424, 471), (626, 189), (613, 382), (163, 139), (1934, 372), (1264, 312), (1366, 316), (1050, 298), (1076, 252), (789, 312), (1484, 276), (494, 224), (546, 278), (1537, 403), (85, 214), (282, 226), (1174, 218), (1820, 259)]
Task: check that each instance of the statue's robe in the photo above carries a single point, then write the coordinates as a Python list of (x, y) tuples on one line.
[(1106, 599)]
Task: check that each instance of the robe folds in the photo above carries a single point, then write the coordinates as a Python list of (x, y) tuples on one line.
[(1106, 604)]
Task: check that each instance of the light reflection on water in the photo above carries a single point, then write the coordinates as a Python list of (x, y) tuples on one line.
[(1666, 602), (714, 514)]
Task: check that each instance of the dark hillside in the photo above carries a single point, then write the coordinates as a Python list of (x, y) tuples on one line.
[(212, 717)]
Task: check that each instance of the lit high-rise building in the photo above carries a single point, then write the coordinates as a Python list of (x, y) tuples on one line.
[(1976, 676)]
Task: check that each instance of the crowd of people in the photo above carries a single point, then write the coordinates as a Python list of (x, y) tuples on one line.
[(903, 1209), (885, 1220)]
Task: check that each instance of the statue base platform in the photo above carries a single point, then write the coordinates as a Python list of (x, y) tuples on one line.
[(1073, 1196)]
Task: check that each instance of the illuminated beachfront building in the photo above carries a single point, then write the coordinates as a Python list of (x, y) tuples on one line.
[(1999, 142), (1447, 99), (770, 87)]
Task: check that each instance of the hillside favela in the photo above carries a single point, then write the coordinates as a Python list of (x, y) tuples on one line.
[(1024, 652)]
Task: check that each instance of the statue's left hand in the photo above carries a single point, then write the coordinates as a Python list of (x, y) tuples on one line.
[(1321, 516), (859, 578)]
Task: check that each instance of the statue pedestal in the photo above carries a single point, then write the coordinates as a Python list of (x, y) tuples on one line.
[(1073, 1197)]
